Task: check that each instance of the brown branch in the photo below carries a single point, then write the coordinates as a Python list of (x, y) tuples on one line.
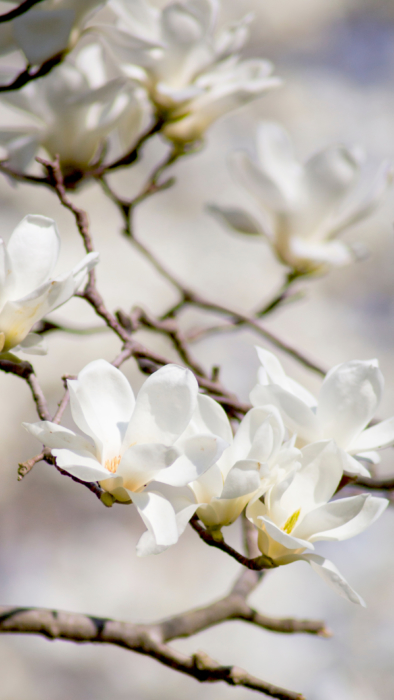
[(364, 482), (18, 11), (26, 76), (256, 564), (143, 639)]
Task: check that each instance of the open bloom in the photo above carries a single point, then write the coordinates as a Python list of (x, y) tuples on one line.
[(296, 513), (254, 460), (348, 399), (48, 29), (27, 290), (191, 71), (304, 206), (133, 443), (72, 113)]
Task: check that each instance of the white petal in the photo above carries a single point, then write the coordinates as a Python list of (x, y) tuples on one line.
[(33, 249), (56, 436), (242, 479), (198, 454), (164, 406), (380, 435), (184, 510), (236, 219), (33, 344), (330, 574), (209, 417), (277, 160), (265, 191), (349, 397), (297, 416), (369, 509), (282, 537), (142, 463), (158, 516), (80, 463), (102, 403), (43, 33)]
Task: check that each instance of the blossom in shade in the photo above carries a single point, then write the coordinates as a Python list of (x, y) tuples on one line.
[(131, 443), (349, 397), (303, 207), (72, 113), (296, 512), (191, 69), (27, 290), (47, 29)]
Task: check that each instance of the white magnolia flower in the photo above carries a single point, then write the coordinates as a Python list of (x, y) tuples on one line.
[(348, 399), (296, 513), (27, 290), (72, 113), (304, 206), (132, 443), (191, 70), (255, 459), (47, 29)]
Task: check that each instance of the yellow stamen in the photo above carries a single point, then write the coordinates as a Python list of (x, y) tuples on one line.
[(112, 464), (291, 522)]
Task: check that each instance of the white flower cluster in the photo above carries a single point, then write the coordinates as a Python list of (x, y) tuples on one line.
[(171, 452), (173, 65)]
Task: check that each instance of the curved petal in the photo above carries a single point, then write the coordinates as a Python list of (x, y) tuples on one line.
[(80, 463), (64, 287), (282, 537), (198, 454), (209, 417), (264, 190), (349, 397), (33, 344), (236, 219), (277, 160), (56, 436), (43, 33), (242, 479), (365, 511), (330, 574), (158, 516), (164, 406), (297, 416), (184, 509), (33, 250), (142, 463), (380, 435), (102, 403)]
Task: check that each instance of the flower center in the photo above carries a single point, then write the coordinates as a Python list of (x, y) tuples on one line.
[(112, 464), (291, 522)]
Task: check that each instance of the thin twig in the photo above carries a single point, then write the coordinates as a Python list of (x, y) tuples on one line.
[(18, 11), (257, 564), (26, 76)]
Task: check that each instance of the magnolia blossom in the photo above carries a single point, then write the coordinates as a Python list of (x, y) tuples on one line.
[(348, 399), (254, 460), (27, 290), (133, 443), (191, 70), (72, 112), (47, 29), (304, 206), (295, 513)]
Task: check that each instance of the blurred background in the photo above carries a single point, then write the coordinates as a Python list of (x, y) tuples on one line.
[(58, 546)]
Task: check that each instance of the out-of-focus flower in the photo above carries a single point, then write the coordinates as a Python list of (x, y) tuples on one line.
[(27, 291), (133, 442), (296, 513), (47, 29), (71, 115), (348, 399), (191, 71), (305, 206)]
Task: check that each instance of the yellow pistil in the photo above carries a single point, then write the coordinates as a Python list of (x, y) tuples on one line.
[(291, 522), (112, 464)]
